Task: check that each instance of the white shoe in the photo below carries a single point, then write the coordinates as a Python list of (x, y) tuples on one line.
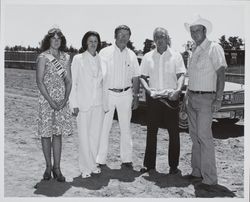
[(96, 171), (86, 175)]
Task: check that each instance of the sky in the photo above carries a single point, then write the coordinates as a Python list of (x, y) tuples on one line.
[(26, 24)]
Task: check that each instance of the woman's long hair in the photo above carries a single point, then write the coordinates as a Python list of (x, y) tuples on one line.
[(45, 44), (85, 38)]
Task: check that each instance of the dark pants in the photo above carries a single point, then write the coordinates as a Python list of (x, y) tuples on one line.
[(157, 113)]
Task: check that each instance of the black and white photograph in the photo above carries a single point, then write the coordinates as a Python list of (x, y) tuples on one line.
[(124, 100)]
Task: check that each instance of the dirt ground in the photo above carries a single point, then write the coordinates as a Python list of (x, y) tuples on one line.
[(24, 163)]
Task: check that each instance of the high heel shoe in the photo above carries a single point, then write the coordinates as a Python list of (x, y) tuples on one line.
[(58, 175), (47, 174)]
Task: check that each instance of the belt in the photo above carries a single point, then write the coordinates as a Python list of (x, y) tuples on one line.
[(202, 92), (119, 90)]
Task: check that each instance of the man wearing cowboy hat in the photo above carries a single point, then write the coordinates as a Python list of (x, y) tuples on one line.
[(206, 72)]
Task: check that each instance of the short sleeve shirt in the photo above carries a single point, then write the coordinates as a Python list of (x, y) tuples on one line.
[(206, 59), (162, 68), (121, 66)]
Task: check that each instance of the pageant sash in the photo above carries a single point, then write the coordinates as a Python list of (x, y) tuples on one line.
[(60, 70)]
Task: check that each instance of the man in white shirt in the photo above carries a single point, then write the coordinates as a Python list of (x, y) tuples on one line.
[(122, 81), (162, 76), (206, 72)]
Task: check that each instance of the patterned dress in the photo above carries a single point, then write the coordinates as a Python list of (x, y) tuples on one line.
[(51, 122)]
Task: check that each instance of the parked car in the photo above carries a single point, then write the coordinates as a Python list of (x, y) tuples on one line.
[(231, 111)]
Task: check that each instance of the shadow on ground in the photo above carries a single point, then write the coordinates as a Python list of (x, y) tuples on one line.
[(51, 188), (97, 181), (166, 180), (212, 191), (163, 180)]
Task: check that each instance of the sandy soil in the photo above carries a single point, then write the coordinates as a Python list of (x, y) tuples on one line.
[(24, 162)]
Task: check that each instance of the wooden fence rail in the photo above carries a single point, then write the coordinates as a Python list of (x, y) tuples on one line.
[(27, 60)]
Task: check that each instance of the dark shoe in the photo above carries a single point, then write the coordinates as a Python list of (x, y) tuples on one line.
[(127, 165), (174, 171), (207, 187), (193, 178), (47, 174), (146, 170), (58, 175)]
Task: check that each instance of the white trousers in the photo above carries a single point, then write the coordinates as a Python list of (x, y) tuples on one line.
[(122, 102), (89, 126)]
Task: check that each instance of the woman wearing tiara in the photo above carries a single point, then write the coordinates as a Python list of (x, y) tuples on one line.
[(53, 76)]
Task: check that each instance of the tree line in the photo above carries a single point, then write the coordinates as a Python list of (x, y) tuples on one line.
[(231, 43), (70, 49)]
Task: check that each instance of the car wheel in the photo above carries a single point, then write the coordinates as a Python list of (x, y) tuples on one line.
[(183, 120), (228, 121), (183, 117)]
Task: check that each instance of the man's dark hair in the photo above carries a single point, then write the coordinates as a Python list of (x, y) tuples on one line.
[(122, 27)]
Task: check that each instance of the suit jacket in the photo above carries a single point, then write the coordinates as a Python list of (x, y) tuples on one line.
[(84, 81)]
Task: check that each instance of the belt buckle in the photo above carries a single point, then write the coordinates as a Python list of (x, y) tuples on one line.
[(124, 89), (117, 90), (120, 90)]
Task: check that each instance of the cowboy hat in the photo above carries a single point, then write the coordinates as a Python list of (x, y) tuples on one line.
[(198, 20)]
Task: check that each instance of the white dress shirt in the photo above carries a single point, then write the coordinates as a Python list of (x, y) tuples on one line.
[(162, 68), (121, 66), (206, 59)]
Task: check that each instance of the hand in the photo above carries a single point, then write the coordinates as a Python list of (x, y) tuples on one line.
[(62, 103), (135, 103), (174, 95), (154, 93), (75, 111), (54, 105), (216, 105)]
